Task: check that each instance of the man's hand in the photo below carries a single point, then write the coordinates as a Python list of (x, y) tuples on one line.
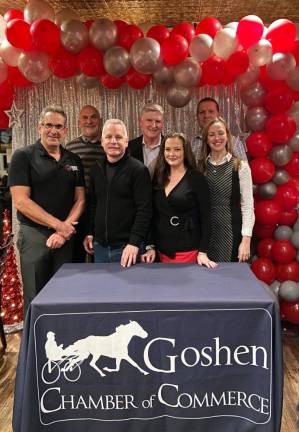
[(66, 229), (149, 256), (88, 244), (55, 241), (129, 256)]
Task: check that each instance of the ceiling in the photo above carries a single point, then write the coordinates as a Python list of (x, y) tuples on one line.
[(170, 12)]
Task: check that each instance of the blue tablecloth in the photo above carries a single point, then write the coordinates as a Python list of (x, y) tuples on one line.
[(170, 348)]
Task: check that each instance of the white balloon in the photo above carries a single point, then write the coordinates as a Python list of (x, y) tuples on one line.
[(201, 47), (38, 9), (66, 14), (225, 42), (10, 54), (280, 66), (2, 29), (260, 54)]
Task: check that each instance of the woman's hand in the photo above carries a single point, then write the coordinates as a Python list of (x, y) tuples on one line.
[(203, 259), (149, 256), (244, 249), (88, 244)]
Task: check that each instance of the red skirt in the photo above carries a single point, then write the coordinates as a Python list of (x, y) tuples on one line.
[(180, 257)]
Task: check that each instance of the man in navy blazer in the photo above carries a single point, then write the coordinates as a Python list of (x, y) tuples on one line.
[(146, 147)]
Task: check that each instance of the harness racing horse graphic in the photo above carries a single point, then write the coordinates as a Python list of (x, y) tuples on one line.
[(114, 345)]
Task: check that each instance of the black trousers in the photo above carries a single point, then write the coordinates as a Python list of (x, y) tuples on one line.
[(38, 262)]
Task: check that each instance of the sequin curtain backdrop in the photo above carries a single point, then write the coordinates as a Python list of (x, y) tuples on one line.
[(124, 103)]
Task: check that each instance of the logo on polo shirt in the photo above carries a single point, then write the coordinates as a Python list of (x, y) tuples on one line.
[(71, 167)]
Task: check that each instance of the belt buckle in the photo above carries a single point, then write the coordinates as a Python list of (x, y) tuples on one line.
[(174, 221)]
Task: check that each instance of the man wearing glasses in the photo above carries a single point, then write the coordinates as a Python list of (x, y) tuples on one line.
[(47, 187)]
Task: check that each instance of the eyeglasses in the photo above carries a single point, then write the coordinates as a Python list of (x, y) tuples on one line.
[(53, 126)]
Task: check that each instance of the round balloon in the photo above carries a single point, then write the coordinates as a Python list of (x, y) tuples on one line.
[(282, 34), (258, 144), (263, 231), (74, 36), (280, 66), (264, 270), (262, 170), (278, 101), (280, 177), (66, 14), (201, 47), (293, 166), (87, 82), (178, 96), (63, 64), (18, 34), (163, 74), (209, 26), (288, 271), (90, 62), (274, 287), (187, 73), (174, 49), (260, 54), (112, 82), (145, 55), (158, 32), (250, 30), (225, 43), (128, 35), (238, 62), (267, 190), (185, 29), (280, 128), (264, 247), (283, 232), (289, 291), (254, 95), (256, 118), (38, 9), (283, 252), (103, 34), (137, 80), (267, 212), (281, 155), (45, 36), (11, 14), (248, 77), (287, 217), (34, 66), (287, 196), (295, 239), (290, 311), (117, 61)]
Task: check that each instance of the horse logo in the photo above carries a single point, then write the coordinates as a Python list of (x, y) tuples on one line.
[(69, 359)]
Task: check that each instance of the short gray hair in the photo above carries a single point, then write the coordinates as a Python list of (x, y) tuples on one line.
[(53, 109), (115, 122), (152, 107)]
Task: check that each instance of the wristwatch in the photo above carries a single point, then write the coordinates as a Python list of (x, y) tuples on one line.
[(149, 247)]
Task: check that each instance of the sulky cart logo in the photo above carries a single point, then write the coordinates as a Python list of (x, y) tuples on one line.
[(133, 372)]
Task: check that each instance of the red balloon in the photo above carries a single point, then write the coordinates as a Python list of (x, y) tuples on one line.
[(295, 51), (90, 62), (238, 62), (4, 120), (184, 29), (18, 34), (294, 181), (264, 231), (128, 35), (264, 247), (174, 49), (288, 217), (209, 25), (292, 167), (16, 78), (137, 80), (282, 34), (258, 144), (262, 170), (88, 24), (283, 251), (267, 212), (6, 95), (212, 70), (63, 64), (228, 77), (264, 270), (159, 33), (287, 196), (288, 271), (112, 82), (120, 24), (290, 311), (278, 101), (280, 128), (45, 36), (250, 30), (13, 14), (270, 84)]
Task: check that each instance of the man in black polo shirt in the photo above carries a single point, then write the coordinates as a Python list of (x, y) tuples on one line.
[(47, 186)]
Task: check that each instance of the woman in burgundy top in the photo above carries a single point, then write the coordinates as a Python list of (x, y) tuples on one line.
[(181, 221)]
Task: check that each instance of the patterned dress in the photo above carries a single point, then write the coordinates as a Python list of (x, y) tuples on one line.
[(226, 218)]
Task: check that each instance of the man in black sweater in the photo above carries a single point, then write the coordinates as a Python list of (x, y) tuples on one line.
[(120, 201)]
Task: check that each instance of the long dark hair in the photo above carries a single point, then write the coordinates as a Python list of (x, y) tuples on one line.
[(162, 168), (206, 150)]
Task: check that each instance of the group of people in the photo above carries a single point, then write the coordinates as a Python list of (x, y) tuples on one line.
[(152, 198)]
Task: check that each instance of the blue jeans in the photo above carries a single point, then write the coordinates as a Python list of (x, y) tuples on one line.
[(106, 254)]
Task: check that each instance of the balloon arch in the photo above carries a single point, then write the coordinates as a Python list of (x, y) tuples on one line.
[(264, 62)]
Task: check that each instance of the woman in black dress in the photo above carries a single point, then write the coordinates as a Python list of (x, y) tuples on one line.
[(230, 184), (181, 222)]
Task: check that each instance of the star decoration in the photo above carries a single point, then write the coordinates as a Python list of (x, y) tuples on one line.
[(14, 115)]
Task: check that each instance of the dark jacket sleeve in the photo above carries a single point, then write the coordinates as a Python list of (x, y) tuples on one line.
[(201, 189), (92, 203), (142, 190)]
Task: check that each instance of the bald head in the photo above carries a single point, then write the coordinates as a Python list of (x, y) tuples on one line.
[(90, 122)]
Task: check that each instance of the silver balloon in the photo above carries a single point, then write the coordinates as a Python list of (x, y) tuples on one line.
[(34, 65), (248, 77), (254, 95), (294, 112), (163, 75), (267, 190), (281, 154), (280, 66), (117, 61), (103, 33), (274, 287), (145, 55), (178, 96), (280, 177), (283, 232), (256, 118), (87, 82), (38, 9), (9, 53), (294, 142), (66, 14), (201, 47), (260, 54), (295, 239), (187, 73), (296, 226), (293, 79), (289, 291), (74, 36)]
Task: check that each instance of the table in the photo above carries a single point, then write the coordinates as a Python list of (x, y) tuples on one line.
[(164, 348)]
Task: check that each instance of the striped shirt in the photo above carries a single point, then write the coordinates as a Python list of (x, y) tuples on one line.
[(89, 152)]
